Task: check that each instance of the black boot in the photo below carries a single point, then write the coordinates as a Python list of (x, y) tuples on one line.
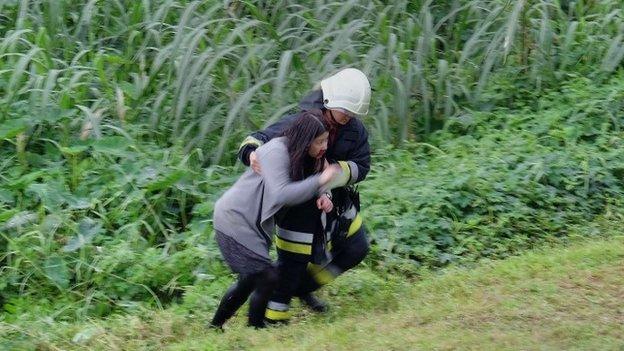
[(232, 300), (314, 303)]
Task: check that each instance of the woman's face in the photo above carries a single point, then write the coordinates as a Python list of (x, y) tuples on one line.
[(318, 146)]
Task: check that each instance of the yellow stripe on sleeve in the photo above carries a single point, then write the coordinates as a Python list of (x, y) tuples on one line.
[(250, 141)]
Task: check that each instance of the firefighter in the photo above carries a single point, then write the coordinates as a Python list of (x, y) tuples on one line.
[(305, 259), (244, 216)]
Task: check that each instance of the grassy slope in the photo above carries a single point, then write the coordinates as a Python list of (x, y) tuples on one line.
[(553, 299), (557, 299)]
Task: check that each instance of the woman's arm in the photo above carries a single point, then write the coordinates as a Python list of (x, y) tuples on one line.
[(275, 165)]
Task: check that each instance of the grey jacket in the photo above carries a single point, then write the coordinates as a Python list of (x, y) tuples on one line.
[(246, 211)]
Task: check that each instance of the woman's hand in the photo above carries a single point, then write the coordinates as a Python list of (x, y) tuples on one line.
[(253, 162), (331, 172), (324, 203)]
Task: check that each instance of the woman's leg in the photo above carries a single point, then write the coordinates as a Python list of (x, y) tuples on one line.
[(254, 272), (264, 283), (233, 299)]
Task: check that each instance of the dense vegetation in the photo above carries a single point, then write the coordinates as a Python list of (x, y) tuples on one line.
[(494, 183), (498, 122)]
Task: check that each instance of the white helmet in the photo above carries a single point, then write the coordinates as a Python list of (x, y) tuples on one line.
[(349, 90)]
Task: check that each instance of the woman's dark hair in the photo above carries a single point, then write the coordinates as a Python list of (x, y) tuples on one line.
[(304, 129)]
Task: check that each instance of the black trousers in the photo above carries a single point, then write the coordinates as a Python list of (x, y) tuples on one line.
[(344, 258), (257, 278), (298, 278), (259, 285)]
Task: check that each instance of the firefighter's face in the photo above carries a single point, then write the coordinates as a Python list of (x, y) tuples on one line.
[(319, 146), (341, 117)]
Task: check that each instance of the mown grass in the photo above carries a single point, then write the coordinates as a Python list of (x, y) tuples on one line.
[(551, 299)]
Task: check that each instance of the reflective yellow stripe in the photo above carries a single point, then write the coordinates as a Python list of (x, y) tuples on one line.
[(313, 267), (323, 277), (346, 173), (320, 275), (342, 179), (355, 225), (345, 167), (293, 247), (250, 141), (276, 315)]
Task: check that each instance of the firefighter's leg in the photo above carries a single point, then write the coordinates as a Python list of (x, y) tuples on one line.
[(354, 251), (350, 255), (290, 275)]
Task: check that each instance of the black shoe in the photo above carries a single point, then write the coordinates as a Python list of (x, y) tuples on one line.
[(257, 325), (314, 303), (217, 328), (221, 316)]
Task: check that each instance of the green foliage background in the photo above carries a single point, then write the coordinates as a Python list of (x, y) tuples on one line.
[(496, 125)]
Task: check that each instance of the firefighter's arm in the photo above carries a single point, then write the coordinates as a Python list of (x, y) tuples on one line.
[(356, 167), (255, 139)]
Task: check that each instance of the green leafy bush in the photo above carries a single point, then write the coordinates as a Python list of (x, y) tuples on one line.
[(494, 183)]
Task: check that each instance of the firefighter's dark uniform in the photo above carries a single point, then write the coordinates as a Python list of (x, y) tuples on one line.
[(301, 241)]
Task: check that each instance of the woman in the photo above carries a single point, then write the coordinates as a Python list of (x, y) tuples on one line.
[(244, 215), (343, 98)]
